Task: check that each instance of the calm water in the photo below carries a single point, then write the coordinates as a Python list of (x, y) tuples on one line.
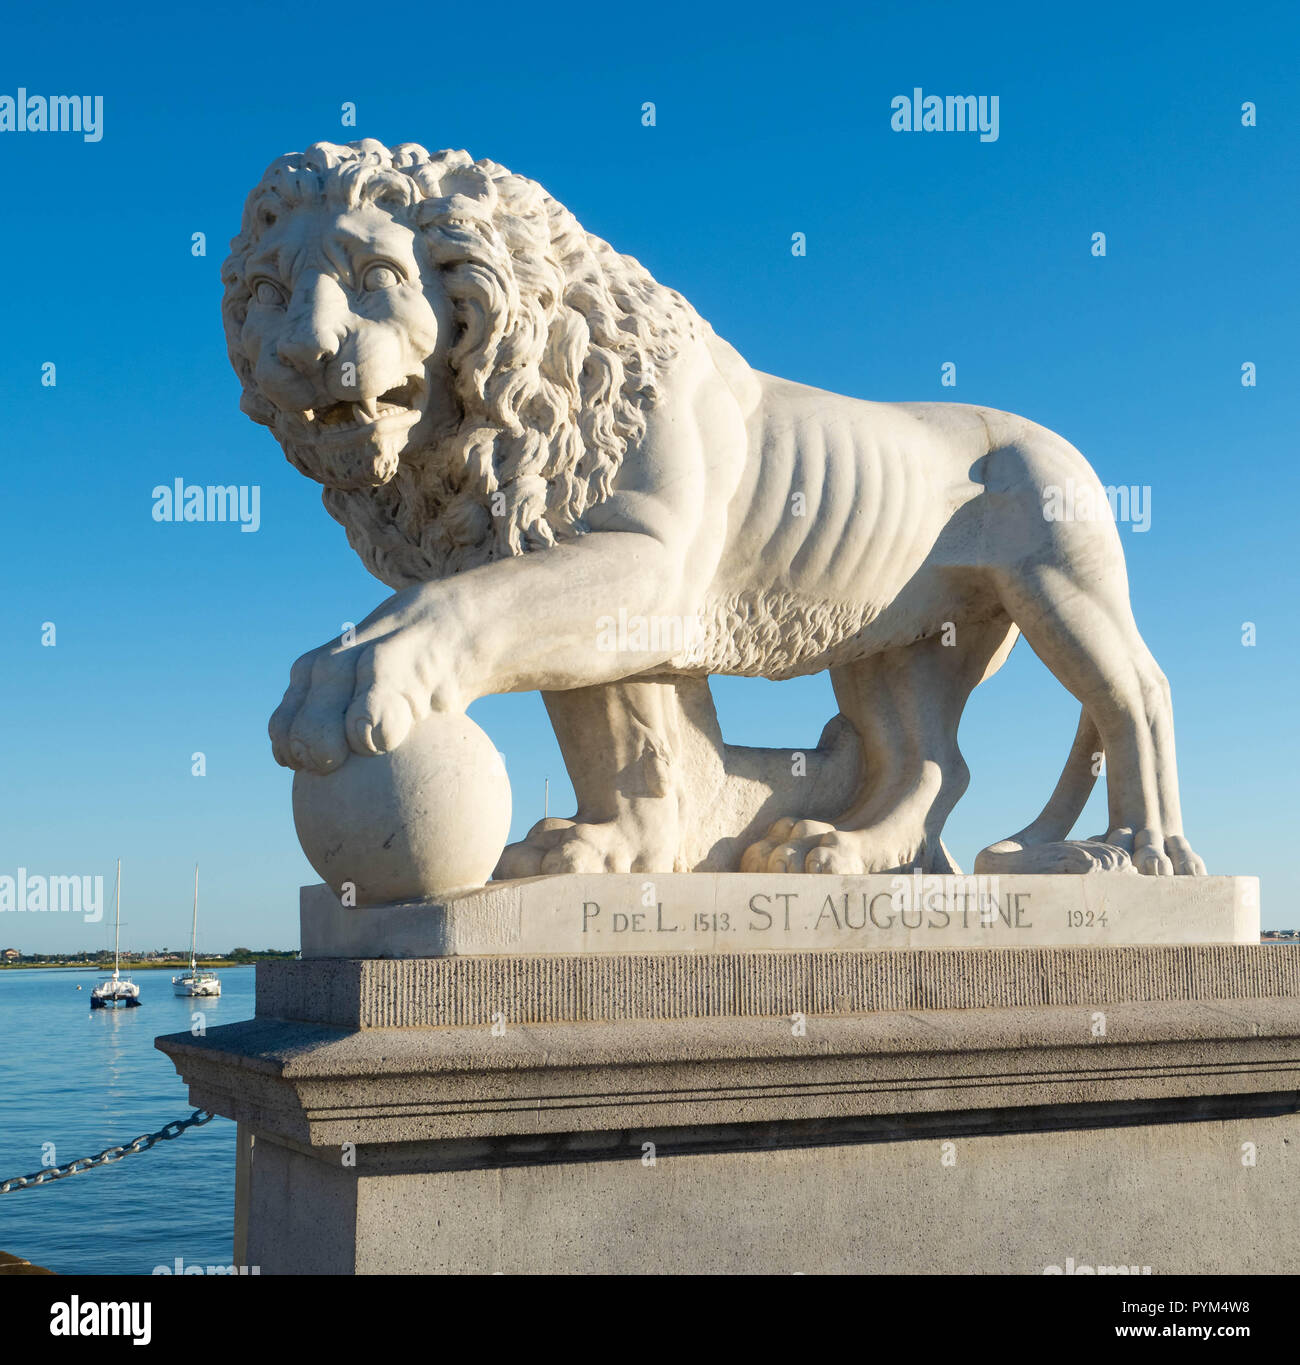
[(88, 1080)]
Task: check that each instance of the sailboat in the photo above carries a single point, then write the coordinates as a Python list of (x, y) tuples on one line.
[(195, 982), (116, 990)]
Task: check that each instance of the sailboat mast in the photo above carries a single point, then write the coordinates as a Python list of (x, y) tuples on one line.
[(117, 915), (194, 923)]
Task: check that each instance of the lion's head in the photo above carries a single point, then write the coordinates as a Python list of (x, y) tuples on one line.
[(440, 344)]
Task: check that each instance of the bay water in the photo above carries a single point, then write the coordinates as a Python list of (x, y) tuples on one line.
[(83, 1080)]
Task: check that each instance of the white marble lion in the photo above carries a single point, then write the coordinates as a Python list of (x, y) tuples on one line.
[(572, 484)]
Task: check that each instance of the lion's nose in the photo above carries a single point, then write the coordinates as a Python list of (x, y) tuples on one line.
[(307, 353), (316, 324)]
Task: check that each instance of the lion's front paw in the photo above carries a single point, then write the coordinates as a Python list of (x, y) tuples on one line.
[(524, 859), (361, 698), (556, 846), (591, 848)]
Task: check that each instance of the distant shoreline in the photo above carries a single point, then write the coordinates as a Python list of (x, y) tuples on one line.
[(124, 965)]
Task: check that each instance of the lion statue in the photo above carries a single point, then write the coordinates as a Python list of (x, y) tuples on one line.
[(572, 484)]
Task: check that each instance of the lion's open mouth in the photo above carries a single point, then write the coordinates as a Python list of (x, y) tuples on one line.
[(354, 444), (342, 418)]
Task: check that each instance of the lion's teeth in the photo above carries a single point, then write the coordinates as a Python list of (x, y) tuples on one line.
[(368, 409)]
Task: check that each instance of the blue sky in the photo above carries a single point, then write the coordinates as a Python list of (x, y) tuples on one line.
[(770, 120)]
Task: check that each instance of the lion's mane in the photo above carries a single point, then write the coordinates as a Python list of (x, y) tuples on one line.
[(559, 347)]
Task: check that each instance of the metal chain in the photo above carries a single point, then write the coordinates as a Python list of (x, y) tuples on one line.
[(110, 1154)]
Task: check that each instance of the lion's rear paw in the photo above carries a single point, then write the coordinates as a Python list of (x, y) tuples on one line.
[(787, 845), (853, 853), (1120, 850), (1157, 856), (815, 846), (1066, 856), (1187, 862)]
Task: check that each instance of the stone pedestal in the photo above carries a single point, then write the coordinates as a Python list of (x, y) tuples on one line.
[(918, 1110), (727, 912)]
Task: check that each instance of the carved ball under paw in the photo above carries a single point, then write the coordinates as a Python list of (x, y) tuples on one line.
[(428, 819)]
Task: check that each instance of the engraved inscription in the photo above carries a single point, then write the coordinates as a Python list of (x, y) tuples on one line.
[(916, 902)]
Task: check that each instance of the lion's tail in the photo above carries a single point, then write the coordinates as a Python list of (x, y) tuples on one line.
[(1064, 807)]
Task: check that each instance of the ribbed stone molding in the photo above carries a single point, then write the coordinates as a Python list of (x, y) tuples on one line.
[(471, 991)]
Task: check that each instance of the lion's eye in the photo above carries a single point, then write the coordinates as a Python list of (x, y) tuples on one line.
[(268, 293), (381, 277)]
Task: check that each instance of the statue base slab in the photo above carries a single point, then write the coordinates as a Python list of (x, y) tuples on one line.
[(957, 1111), (729, 912)]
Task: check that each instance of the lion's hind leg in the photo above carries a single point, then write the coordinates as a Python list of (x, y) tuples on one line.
[(1081, 626), (906, 705), (1043, 846)]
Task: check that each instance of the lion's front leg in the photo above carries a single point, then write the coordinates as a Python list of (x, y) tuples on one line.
[(622, 748), (532, 623), (363, 692)]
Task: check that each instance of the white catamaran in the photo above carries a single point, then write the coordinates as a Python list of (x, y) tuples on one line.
[(195, 982), (116, 990)]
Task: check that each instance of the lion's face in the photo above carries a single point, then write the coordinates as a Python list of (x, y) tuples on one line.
[(346, 334), (439, 343)]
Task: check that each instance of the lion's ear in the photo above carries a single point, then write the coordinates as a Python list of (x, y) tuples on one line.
[(473, 181)]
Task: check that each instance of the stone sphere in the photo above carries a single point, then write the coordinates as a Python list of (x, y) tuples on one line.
[(430, 818)]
